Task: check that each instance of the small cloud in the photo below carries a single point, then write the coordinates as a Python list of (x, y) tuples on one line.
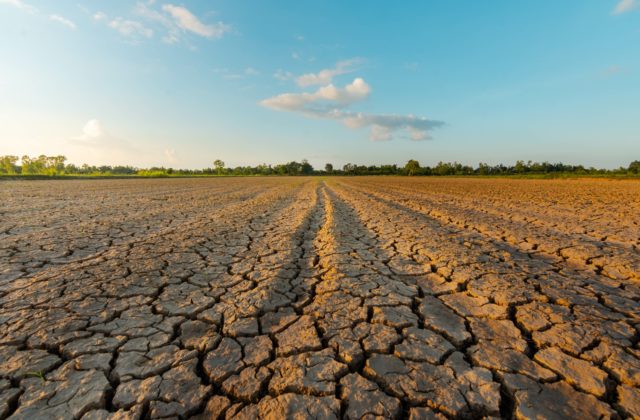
[(19, 4), (283, 75), (94, 135), (326, 76), (295, 55), (64, 21), (383, 125), (189, 22), (299, 38), (130, 28), (624, 6), (92, 130), (300, 102), (99, 16), (97, 143)]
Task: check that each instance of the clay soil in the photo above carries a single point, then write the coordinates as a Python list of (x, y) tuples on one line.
[(319, 298)]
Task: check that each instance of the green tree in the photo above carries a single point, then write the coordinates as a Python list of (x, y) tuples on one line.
[(8, 165), (219, 165), (520, 167), (306, 167), (328, 168), (349, 168), (412, 167), (634, 167)]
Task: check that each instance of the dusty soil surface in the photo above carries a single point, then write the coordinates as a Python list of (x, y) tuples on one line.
[(311, 298)]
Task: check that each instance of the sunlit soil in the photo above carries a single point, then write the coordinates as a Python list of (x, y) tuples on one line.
[(319, 297)]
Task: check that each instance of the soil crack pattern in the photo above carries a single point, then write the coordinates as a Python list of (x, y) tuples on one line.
[(306, 297)]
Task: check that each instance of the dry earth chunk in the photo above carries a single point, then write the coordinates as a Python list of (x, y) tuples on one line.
[(364, 399), (579, 373), (553, 401), (314, 373)]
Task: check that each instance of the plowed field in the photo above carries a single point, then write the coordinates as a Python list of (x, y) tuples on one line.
[(319, 298)]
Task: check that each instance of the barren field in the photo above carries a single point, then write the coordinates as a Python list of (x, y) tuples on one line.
[(319, 298)]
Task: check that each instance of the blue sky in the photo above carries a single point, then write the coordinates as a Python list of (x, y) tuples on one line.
[(183, 83)]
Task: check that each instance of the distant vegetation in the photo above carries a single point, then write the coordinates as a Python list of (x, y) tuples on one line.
[(56, 166)]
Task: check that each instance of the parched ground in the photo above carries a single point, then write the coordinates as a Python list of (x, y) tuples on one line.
[(311, 298)]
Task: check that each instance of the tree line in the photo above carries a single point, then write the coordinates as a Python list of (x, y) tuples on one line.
[(56, 166)]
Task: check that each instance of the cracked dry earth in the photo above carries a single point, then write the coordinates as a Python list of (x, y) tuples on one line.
[(309, 298)]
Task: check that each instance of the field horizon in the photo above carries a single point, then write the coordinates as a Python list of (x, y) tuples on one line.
[(341, 210)]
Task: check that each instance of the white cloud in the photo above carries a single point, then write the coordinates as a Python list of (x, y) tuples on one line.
[(20, 5), (189, 22), (283, 75), (99, 16), (178, 21), (94, 135), (64, 21), (92, 130), (300, 102), (130, 28), (330, 102), (382, 125), (625, 6), (97, 144), (326, 76)]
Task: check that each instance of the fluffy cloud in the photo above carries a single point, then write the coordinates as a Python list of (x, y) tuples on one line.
[(97, 144), (330, 102), (64, 21), (91, 130), (20, 5), (625, 6), (383, 125), (187, 21), (174, 21), (94, 135), (304, 102), (130, 28), (324, 77)]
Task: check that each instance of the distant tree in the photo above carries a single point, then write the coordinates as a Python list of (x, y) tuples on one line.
[(293, 168), (55, 165), (8, 165), (328, 168), (412, 167), (483, 169), (634, 167), (219, 165), (520, 167), (306, 168), (349, 169)]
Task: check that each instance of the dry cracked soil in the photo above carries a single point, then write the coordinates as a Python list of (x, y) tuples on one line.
[(319, 298)]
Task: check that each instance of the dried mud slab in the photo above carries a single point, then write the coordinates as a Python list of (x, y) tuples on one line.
[(309, 298)]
